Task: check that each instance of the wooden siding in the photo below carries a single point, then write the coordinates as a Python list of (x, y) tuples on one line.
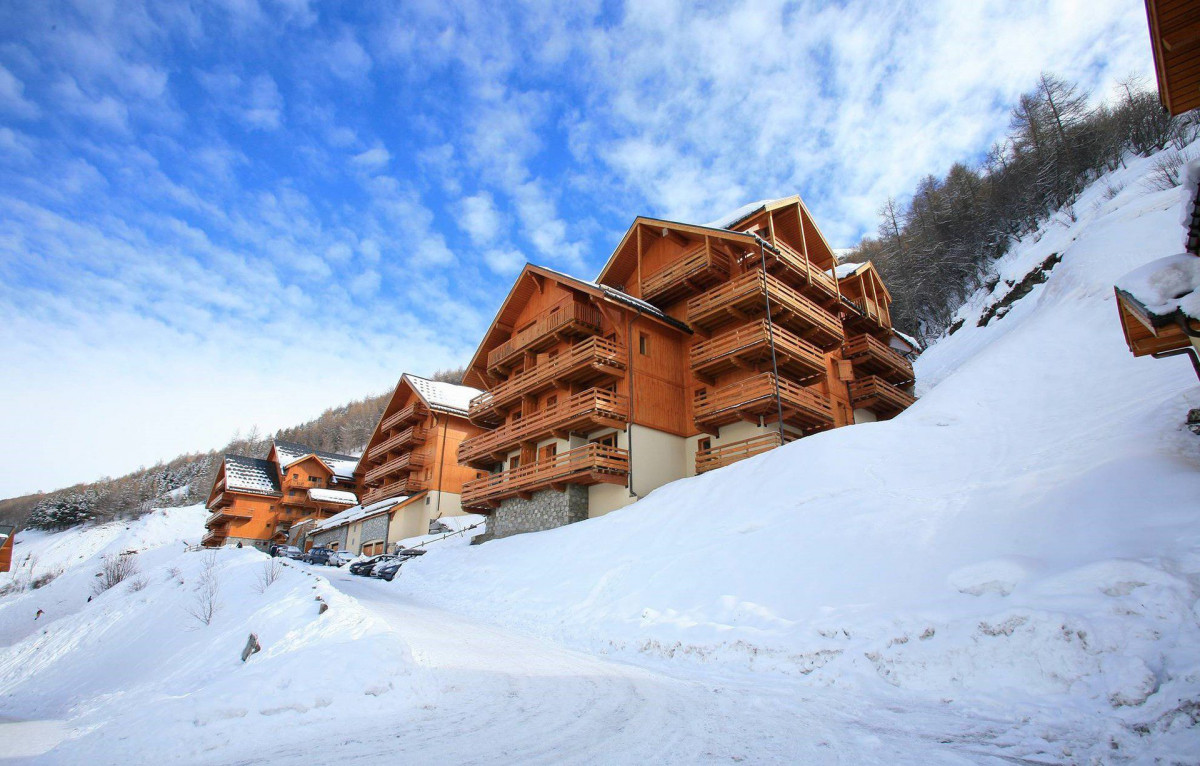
[(1175, 43)]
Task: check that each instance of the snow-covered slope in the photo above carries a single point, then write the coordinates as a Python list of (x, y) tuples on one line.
[(137, 677), (1026, 538)]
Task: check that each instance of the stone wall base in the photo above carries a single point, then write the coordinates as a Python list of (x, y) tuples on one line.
[(546, 509)]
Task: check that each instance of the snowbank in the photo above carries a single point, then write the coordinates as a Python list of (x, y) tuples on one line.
[(1166, 285), (1023, 541), (138, 676)]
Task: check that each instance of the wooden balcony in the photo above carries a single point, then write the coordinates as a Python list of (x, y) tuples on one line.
[(755, 396), (743, 297), (405, 462), (409, 437), (864, 313), (585, 411), (812, 279), (566, 319), (697, 269), (749, 347), (591, 358), (877, 395), (413, 411), (213, 539), (407, 486), (219, 500), (591, 464), (872, 356), (227, 512), (727, 454)]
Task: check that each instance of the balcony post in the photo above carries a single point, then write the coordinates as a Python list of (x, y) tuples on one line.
[(762, 252)]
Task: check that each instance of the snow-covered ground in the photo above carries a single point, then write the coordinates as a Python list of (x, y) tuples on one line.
[(1009, 571)]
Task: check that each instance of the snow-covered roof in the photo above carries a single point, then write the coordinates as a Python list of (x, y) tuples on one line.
[(1166, 285), (6, 531), (332, 496), (621, 297), (358, 512), (342, 465), (843, 270), (250, 474), (447, 397), (903, 338), (743, 212)]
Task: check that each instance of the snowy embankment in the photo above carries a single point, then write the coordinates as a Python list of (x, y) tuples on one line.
[(137, 674), (1025, 539)]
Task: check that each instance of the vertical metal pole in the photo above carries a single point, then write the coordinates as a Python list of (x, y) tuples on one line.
[(771, 336)]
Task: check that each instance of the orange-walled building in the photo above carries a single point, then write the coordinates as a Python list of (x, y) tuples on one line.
[(7, 535)]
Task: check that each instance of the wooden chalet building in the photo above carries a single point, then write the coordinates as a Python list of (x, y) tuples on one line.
[(256, 501), (7, 540), (412, 455), (1153, 324), (697, 346)]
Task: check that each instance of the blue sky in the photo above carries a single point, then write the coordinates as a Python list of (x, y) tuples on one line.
[(219, 215)]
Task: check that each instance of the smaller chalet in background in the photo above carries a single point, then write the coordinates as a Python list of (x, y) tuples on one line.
[(256, 501), (409, 473), (7, 533)]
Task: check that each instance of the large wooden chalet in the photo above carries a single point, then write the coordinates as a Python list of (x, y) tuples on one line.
[(7, 535), (697, 346), (256, 501)]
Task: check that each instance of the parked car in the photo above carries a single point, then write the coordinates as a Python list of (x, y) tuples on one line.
[(363, 568), (285, 551), (388, 569), (318, 555), (340, 558)]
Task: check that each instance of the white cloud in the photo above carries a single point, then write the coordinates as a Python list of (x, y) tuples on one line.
[(373, 159), (506, 262), (264, 104), (347, 59), (12, 97), (479, 218)]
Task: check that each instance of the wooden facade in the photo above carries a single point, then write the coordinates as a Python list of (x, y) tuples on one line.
[(415, 445), (719, 343), (1175, 42), (256, 501), (7, 541)]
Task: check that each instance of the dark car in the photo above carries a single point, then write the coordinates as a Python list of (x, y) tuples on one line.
[(363, 568), (388, 569), (318, 555)]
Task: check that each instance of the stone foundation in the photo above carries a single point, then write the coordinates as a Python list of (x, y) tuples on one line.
[(547, 509)]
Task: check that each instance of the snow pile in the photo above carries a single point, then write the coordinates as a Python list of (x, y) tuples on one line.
[(1023, 542), (1166, 285), (139, 658)]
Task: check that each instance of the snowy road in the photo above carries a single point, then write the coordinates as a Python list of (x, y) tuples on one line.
[(494, 696)]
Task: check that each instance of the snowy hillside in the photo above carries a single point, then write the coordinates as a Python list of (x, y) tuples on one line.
[(135, 675), (1024, 542)]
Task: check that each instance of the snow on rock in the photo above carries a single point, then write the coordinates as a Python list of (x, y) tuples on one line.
[(1024, 538), (137, 659)]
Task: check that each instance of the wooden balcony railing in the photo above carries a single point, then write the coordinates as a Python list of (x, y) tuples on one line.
[(593, 356), (412, 435), (726, 454), (594, 408), (823, 284), (871, 355), (744, 296), (404, 462), (696, 269), (394, 489), (214, 538), (218, 500), (227, 512), (591, 464), (567, 317), (755, 395), (876, 394), (415, 410), (751, 344), (864, 311)]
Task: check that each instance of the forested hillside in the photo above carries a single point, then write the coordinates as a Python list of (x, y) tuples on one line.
[(938, 248), (187, 478)]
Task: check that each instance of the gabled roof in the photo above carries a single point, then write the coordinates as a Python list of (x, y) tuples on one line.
[(342, 466), (6, 531), (625, 255), (251, 474), (509, 310), (342, 497), (441, 396), (844, 271), (357, 513), (734, 217)]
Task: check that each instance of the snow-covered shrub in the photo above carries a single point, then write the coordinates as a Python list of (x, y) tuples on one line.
[(1168, 170), (116, 570), (43, 580), (204, 605), (271, 570), (137, 584)]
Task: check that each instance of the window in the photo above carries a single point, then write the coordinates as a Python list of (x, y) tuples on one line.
[(608, 440), (643, 344), (427, 500), (514, 462), (551, 354), (701, 393), (516, 416), (548, 452), (295, 476), (551, 400), (703, 444)]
